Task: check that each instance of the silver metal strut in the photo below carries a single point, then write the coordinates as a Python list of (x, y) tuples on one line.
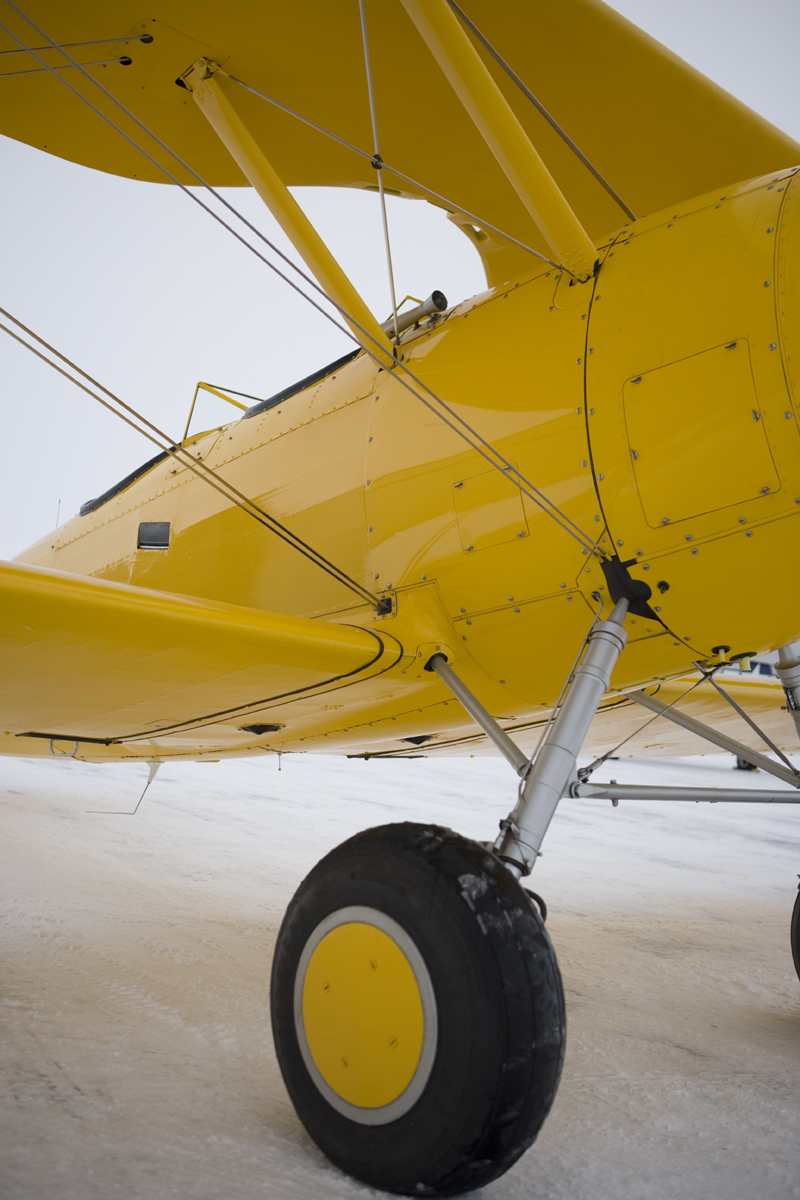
[(787, 669), (631, 791), (555, 766), (715, 737), (552, 774), (509, 750)]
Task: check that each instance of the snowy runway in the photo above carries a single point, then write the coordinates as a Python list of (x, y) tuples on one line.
[(138, 1060)]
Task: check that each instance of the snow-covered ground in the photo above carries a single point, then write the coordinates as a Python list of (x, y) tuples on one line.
[(138, 1060)]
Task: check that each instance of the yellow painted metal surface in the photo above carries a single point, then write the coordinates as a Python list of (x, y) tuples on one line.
[(544, 371), (99, 660), (447, 40), (363, 1015), (680, 137)]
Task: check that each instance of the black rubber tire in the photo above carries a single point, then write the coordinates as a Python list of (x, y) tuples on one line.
[(499, 999), (794, 934)]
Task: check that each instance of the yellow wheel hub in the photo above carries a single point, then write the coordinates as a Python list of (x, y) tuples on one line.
[(363, 1015)]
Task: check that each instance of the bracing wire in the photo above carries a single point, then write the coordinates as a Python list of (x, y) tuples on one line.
[(485, 449), (185, 459), (449, 204), (377, 161), (562, 133)]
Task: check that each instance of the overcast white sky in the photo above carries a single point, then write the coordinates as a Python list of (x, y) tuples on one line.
[(137, 286)]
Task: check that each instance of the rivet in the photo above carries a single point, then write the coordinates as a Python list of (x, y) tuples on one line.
[(780, 189), (501, 681), (563, 585), (597, 518), (797, 499), (464, 637), (583, 317), (424, 576), (670, 225), (369, 529), (658, 607), (584, 463), (773, 345), (719, 206), (367, 483)]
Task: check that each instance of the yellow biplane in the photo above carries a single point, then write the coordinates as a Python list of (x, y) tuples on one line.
[(527, 523)]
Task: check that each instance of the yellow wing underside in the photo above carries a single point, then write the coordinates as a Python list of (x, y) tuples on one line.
[(107, 671), (655, 128)]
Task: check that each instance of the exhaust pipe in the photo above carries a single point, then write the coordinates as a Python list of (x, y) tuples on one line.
[(436, 303)]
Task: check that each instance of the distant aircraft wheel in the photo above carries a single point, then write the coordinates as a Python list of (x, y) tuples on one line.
[(795, 934), (417, 1011)]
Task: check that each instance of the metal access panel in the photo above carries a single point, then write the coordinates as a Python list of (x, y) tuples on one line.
[(489, 510), (700, 416), (153, 535)]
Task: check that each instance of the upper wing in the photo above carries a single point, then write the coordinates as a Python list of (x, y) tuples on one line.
[(655, 128), (106, 662)]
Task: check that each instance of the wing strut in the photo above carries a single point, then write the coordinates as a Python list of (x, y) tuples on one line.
[(226, 122), (502, 132)]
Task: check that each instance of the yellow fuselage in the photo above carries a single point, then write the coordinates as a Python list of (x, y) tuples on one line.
[(655, 405)]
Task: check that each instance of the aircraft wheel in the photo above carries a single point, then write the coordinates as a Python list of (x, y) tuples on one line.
[(417, 1011), (795, 934)]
